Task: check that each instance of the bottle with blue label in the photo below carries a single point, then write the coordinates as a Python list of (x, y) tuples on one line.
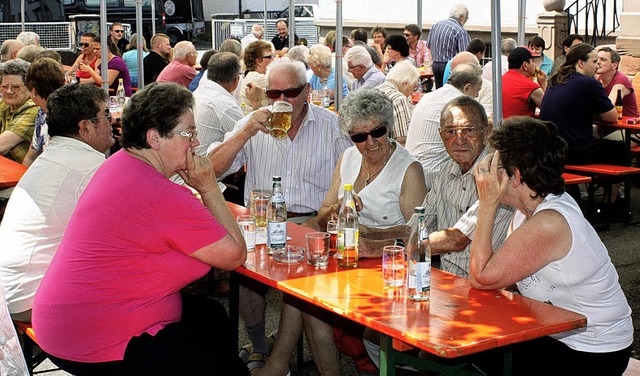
[(419, 260), (277, 218)]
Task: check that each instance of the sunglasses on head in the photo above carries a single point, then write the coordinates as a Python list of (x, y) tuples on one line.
[(289, 93), (375, 133)]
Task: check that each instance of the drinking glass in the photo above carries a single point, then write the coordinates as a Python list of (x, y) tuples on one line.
[(393, 265), (318, 248), (247, 225), (332, 229), (280, 120), (258, 205)]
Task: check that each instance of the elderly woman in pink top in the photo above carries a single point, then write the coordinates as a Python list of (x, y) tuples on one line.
[(111, 300)]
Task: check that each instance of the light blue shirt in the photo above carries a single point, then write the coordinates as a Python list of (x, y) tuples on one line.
[(316, 83)]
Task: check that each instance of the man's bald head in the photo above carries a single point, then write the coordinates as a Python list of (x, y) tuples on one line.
[(10, 48), (464, 57)]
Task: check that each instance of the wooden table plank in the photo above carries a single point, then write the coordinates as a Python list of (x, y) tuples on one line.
[(10, 172)]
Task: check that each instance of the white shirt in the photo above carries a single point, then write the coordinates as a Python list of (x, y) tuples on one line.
[(305, 163), (37, 215), (487, 70), (256, 79), (423, 139), (216, 113), (247, 39)]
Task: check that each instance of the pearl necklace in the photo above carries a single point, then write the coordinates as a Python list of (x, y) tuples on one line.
[(370, 176)]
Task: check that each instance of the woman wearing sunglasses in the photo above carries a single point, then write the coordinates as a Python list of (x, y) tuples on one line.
[(117, 69), (257, 57), (87, 56)]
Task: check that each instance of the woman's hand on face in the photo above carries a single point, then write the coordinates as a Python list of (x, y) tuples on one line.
[(199, 174), (491, 180)]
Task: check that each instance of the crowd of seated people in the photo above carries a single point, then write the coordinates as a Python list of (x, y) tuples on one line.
[(214, 138)]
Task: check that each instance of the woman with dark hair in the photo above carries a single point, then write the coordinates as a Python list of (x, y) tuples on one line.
[(120, 268), (378, 34), (257, 57), (553, 254), (397, 49), (117, 69)]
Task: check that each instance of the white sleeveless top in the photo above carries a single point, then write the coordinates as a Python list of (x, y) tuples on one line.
[(584, 281), (381, 198)]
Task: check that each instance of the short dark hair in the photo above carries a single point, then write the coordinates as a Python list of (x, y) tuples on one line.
[(114, 24), (159, 106), (398, 43), (204, 60), (534, 148), (537, 41), (50, 54), (379, 29), (89, 35), (568, 41), (476, 45), (70, 104), (223, 68), (413, 29), (359, 34), (345, 42), (45, 76)]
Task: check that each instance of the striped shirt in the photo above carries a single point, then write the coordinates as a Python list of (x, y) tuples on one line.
[(421, 54), (402, 109), (452, 202), (446, 39), (423, 139), (305, 163)]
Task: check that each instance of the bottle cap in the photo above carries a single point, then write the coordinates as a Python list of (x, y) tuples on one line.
[(419, 209), (348, 187), (277, 178)]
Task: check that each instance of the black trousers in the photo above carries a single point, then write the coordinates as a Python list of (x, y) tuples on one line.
[(438, 72)]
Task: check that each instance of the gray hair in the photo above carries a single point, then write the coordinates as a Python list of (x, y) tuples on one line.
[(288, 68), (467, 104), (231, 45), (8, 46), (257, 30), (16, 67), (320, 55), (507, 45), (182, 49), (358, 55), (29, 53), (366, 106), (403, 72), (465, 73), (223, 68), (299, 53), (459, 12), (29, 38)]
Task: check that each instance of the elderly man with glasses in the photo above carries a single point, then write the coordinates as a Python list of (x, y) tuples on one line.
[(305, 160), (37, 214)]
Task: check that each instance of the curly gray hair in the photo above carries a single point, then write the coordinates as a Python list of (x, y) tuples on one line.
[(363, 106), (16, 67)]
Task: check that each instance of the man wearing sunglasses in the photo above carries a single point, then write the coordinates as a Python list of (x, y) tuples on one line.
[(305, 160), (117, 39), (87, 56)]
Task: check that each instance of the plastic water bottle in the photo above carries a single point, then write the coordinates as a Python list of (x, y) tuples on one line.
[(277, 218), (419, 260), (348, 233), (121, 97)]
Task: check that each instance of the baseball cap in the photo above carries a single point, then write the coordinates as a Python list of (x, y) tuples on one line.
[(518, 56)]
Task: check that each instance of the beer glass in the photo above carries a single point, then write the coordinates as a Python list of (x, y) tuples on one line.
[(258, 204), (280, 120)]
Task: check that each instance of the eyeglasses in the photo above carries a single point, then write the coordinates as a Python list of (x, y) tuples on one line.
[(84, 44), (118, 31), (193, 135), (108, 117), (406, 35), (355, 67), (268, 57), (470, 133), (12, 87), (289, 93), (375, 133)]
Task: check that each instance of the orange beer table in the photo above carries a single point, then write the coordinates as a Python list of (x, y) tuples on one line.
[(457, 321), (10, 172)]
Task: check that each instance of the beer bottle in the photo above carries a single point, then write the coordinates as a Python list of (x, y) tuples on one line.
[(276, 218), (419, 260), (347, 243), (121, 96), (619, 104)]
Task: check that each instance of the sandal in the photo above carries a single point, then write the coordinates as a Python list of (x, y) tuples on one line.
[(256, 362), (246, 350)]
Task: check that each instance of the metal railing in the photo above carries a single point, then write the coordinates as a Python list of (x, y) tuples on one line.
[(594, 19), (223, 29), (53, 35)]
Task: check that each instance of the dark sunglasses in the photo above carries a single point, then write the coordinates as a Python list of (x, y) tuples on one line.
[(375, 133), (118, 31), (84, 44), (268, 57), (289, 93)]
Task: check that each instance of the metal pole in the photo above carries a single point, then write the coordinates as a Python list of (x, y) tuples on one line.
[(292, 23), (497, 61), (22, 15), (420, 14), (266, 15), (139, 43), (339, 55), (522, 17), (153, 20), (104, 48)]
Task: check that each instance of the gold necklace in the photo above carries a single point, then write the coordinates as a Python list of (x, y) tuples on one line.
[(370, 176)]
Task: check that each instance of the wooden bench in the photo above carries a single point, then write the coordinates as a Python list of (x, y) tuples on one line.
[(572, 179), (603, 174), (28, 341)]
